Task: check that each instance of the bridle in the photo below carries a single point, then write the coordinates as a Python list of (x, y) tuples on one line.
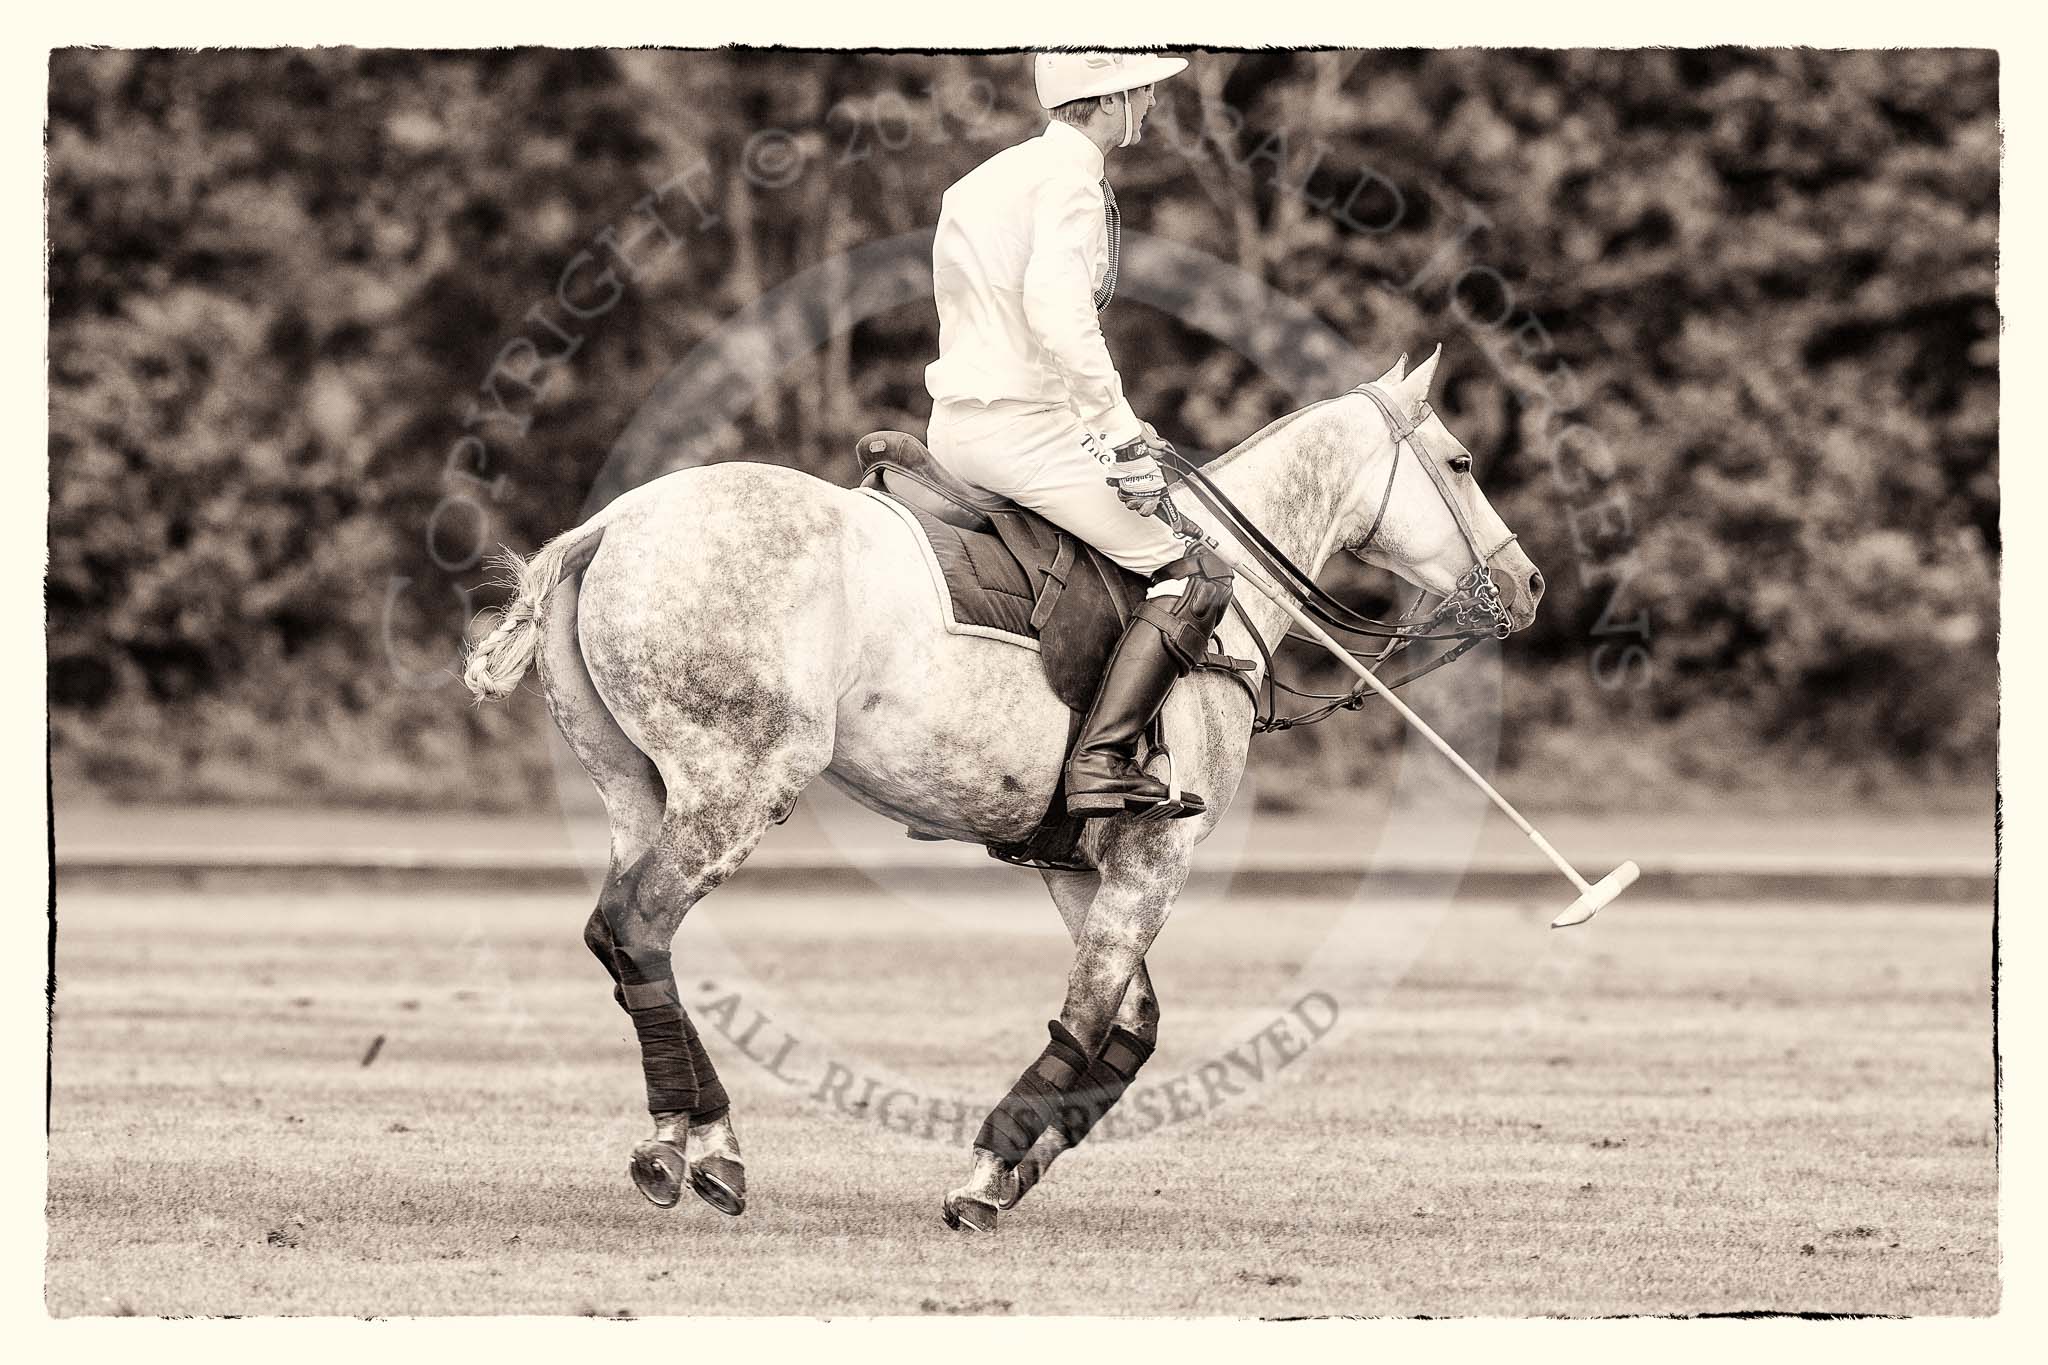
[(1474, 604), (1471, 613)]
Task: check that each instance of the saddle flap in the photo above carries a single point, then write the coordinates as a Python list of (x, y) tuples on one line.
[(1077, 614)]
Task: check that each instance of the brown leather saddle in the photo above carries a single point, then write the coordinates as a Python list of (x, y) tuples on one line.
[(1011, 570)]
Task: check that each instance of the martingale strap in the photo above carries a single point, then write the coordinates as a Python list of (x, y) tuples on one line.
[(1266, 717), (1269, 722)]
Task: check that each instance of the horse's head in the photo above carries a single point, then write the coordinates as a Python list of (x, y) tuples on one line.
[(1403, 522)]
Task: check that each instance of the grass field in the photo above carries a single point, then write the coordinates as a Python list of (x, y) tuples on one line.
[(1683, 1108)]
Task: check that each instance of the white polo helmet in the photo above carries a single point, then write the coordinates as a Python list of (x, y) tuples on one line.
[(1066, 76)]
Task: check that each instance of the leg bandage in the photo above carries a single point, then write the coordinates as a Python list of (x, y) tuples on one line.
[(1033, 1104), (680, 1077), (1103, 1084)]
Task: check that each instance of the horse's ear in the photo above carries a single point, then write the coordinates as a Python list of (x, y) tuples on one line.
[(1415, 388), (1393, 376)]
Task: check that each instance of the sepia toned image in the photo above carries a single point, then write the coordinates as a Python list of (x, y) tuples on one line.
[(1177, 682)]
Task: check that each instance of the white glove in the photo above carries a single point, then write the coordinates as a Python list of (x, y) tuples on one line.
[(1136, 475), (1142, 491)]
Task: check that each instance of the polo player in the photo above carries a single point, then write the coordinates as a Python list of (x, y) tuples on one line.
[(1027, 403)]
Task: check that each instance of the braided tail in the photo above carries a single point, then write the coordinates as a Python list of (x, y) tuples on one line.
[(498, 661)]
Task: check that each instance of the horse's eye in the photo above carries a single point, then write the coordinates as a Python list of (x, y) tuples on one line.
[(1461, 464)]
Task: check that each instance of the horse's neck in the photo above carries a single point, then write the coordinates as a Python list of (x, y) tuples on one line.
[(1293, 484)]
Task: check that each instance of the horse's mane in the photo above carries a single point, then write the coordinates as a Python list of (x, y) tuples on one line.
[(1261, 434)]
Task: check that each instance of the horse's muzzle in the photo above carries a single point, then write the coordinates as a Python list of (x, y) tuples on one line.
[(1521, 586)]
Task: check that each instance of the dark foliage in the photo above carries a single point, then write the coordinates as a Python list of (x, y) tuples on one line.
[(1720, 325)]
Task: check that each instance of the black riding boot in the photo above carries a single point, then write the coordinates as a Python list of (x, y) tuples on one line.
[(1103, 777), (1164, 642)]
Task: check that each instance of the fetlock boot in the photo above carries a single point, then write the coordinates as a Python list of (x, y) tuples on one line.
[(1103, 776)]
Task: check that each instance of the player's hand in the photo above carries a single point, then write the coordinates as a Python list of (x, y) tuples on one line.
[(1136, 475), (1141, 489)]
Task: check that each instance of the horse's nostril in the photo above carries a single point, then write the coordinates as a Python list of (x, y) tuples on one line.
[(1535, 583)]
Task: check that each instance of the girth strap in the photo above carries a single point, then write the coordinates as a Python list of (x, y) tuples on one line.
[(1055, 583)]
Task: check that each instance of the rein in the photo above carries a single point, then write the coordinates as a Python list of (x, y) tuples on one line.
[(1473, 609)]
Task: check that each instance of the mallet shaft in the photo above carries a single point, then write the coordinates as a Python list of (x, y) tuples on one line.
[(1316, 632), (1592, 897)]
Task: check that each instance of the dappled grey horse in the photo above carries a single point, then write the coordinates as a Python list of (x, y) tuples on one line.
[(715, 639)]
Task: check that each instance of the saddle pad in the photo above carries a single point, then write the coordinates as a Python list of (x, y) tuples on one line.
[(1032, 585), (981, 588)]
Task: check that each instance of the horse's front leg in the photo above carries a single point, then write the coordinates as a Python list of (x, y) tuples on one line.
[(1130, 1044), (1143, 868)]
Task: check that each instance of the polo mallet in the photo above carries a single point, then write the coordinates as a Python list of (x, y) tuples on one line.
[(1592, 899)]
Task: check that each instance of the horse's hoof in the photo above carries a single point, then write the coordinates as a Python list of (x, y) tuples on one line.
[(1013, 1188), (659, 1170), (720, 1182), (965, 1214)]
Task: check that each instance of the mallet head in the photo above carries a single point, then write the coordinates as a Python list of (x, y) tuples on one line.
[(1598, 895)]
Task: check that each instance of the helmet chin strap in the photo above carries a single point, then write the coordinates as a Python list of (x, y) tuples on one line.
[(1130, 127)]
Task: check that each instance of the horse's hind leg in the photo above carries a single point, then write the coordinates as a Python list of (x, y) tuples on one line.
[(1130, 1043), (626, 779), (663, 860), (706, 832)]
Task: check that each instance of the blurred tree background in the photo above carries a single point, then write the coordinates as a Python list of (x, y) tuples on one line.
[(1720, 326)]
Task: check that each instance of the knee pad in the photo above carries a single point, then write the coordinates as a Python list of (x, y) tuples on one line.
[(1188, 618)]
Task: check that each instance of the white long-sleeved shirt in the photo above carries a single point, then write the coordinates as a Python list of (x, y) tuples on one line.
[(1021, 246)]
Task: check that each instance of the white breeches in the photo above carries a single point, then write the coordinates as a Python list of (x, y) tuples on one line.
[(1041, 456)]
